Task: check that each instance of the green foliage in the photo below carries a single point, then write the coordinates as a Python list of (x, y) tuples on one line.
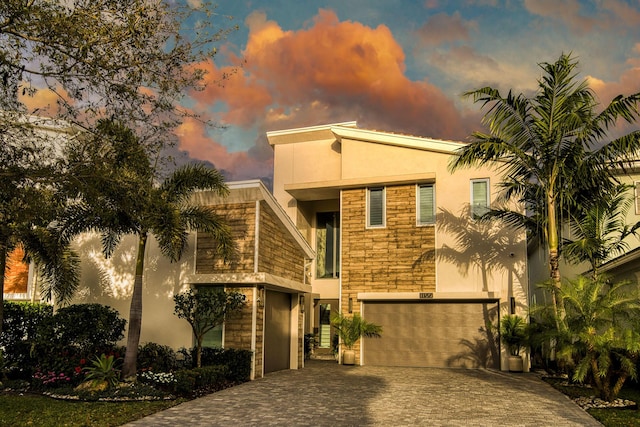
[(238, 362), (19, 335), (513, 332), (103, 369), (190, 382), (206, 309), (156, 357), (351, 329), (87, 327), (599, 336), (600, 232)]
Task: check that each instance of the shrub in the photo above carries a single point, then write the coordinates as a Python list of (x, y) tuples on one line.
[(19, 334), (237, 361), (156, 357), (103, 371), (191, 382)]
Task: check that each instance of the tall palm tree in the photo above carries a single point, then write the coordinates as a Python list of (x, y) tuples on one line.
[(553, 149), (600, 231), (117, 195)]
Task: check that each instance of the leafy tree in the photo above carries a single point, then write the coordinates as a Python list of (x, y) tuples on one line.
[(601, 337), (126, 59), (116, 194), (554, 149), (600, 231), (204, 310)]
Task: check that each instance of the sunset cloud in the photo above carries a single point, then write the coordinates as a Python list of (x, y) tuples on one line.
[(330, 71), (443, 28)]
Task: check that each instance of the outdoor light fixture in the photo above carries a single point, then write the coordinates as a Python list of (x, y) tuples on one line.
[(350, 304), (302, 303)]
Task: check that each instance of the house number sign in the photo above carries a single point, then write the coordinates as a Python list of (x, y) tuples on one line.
[(426, 295)]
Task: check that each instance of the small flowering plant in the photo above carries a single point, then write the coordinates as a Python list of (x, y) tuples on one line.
[(50, 379), (158, 379)]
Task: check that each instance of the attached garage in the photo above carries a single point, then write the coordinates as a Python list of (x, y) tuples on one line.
[(432, 334)]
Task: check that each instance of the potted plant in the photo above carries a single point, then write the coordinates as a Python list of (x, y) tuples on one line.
[(513, 332), (350, 329)]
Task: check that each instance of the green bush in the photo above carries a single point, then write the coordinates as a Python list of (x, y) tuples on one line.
[(20, 328), (192, 382), (156, 357), (237, 361)]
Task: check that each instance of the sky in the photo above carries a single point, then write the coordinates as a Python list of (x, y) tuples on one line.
[(391, 65)]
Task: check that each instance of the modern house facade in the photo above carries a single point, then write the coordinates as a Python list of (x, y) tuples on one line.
[(396, 240)]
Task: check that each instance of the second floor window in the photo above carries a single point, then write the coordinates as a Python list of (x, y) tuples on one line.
[(376, 207), (327, 245), (479, 197), (426, 204)]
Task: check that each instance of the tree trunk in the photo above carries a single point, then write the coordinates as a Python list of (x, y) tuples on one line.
[(3, 266), (199, 352), (554, 257), (129, 368)]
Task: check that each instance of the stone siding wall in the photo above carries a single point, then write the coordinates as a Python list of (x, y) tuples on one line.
[(237, 329), (241, 219), (279, 254)]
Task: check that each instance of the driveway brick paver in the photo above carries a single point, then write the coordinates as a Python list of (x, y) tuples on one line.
[(328, 394)]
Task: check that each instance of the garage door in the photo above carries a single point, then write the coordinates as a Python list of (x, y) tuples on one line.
[(277, 331), (432, 334)]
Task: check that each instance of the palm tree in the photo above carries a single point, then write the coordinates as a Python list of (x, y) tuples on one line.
[(116, 195), (552, 149), (600, 231)]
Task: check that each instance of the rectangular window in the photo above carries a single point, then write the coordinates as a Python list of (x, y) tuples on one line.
[(479, 197), (327, 245), (213, 338), (426, 205), (376, 207), (636, 186)]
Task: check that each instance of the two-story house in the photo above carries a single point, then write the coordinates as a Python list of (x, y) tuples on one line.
[(396, 239)]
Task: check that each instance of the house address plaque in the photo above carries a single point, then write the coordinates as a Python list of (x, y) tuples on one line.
[(426, 295)]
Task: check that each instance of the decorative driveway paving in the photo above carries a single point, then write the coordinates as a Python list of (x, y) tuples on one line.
[(328, 394)]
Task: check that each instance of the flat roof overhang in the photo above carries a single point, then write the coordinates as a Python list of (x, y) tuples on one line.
[(326, 190)]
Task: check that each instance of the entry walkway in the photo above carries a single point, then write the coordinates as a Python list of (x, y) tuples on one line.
[(327, 394)]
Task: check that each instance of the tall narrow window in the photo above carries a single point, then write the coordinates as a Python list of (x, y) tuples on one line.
[(426, 204), (637, 196), (213, 338), (327, 245), (375, 207), (479, 197)]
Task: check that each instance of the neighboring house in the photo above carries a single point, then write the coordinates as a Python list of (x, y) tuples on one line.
[(396, 239), (49, 136)]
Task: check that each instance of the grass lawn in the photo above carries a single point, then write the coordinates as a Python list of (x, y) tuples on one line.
[(43, 411), (610, 417)]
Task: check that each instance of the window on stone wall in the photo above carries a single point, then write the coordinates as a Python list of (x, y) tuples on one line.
[(479, 197), (327, 245), (213, 338), (637, 196), (426, 204), (376, 207)]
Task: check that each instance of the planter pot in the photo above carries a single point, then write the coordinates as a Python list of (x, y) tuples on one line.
[(516, 364), (348, 357)]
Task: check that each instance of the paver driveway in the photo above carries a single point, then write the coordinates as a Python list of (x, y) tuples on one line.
[(328, 394)]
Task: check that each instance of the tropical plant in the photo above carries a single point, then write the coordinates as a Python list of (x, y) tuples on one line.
[(351, 328), (103, 371), (206, 309), (513, 332), (116, 194), (601, 334), (599, 232), (555, 150)]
